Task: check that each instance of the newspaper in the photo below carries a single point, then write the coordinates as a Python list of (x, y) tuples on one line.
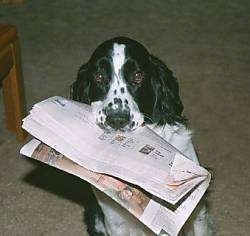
[(155, 214), (69, 127)]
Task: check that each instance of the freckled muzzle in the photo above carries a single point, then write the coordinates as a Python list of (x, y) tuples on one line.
[(117, 116)]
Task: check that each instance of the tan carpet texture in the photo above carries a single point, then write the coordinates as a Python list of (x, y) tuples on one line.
[(205, 43)]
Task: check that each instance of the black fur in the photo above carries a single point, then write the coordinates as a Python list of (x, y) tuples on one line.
[(92, 213), (168, 107)]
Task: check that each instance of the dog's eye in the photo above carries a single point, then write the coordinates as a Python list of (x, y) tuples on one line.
[(138, 77), (98, 77)]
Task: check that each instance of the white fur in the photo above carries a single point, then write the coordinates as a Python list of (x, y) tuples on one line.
[(99, 226), (118, 57), (119, 222)]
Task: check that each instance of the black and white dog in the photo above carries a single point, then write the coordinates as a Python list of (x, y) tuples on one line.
[(127, 87)]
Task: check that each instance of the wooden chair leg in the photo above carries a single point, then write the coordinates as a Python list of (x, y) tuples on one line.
[(18, 98), (14, 100), (13, 87), (8, 104)]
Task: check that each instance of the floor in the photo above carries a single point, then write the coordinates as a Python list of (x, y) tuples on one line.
[(205, 43)]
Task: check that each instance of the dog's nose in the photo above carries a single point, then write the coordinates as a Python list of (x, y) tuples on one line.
[(117, 115), (118, 120)]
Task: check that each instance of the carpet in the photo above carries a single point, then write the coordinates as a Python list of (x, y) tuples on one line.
[(205, 43)]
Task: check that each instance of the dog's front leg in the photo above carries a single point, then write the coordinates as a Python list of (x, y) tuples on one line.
[(93, 215), (118, 221), (201, 222)]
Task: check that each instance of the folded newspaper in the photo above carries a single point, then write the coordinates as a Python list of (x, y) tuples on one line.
[(71, 141)]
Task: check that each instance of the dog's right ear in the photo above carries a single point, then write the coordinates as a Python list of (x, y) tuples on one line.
[(79, 90), (168, 105)]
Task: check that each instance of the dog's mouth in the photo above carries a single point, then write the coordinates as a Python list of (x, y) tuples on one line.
[(116, 119), (120, 123)]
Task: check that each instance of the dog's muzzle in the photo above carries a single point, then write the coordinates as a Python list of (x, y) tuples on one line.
[(118, 120), (117, 117)]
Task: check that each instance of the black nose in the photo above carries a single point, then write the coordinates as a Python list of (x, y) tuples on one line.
[(118, 120)]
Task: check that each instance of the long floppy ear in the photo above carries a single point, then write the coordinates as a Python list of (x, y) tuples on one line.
[(168, 106), (79, 90)]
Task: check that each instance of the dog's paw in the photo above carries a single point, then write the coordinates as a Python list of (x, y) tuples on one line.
[(98, 229)]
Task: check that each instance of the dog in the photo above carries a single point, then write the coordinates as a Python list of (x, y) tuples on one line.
[(127, 87)]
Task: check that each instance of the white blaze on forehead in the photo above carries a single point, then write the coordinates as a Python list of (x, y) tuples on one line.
[(118, 57)]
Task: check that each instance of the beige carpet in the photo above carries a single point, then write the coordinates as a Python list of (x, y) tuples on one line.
[(205, 43)]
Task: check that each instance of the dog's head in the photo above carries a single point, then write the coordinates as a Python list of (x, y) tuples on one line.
[(126, 86)]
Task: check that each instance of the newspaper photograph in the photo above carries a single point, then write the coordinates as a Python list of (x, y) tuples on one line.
[(156, 214)]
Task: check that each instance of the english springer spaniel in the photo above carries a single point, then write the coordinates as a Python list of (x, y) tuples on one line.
[(127, 87)]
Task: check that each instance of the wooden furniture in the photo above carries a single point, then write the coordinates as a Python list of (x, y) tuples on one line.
[(12, 80)]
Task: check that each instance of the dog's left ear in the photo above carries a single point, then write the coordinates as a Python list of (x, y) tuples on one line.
[(168, 106), (79, 90)]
